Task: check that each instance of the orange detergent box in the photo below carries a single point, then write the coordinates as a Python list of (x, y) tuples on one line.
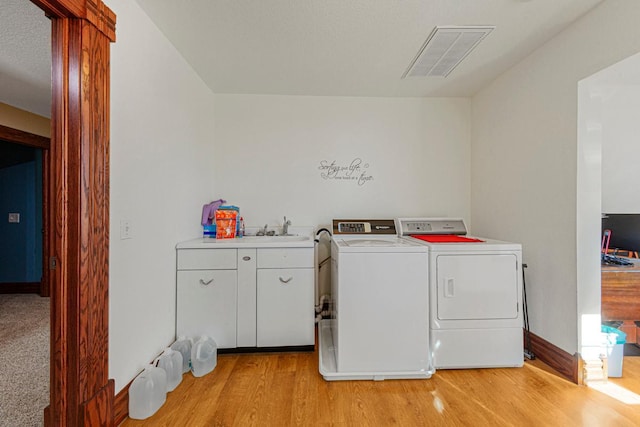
[(226, 222)]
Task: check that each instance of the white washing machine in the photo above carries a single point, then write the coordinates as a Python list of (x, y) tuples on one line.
[(379, 326), (475, 295)]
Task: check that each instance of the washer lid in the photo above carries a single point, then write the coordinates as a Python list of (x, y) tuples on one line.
[(378, 244), (358, 243), (445, 238)]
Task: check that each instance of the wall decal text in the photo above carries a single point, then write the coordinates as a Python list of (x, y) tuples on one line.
[(356, 171)]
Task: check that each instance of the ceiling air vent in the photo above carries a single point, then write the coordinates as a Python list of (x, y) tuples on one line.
[(444, 49)]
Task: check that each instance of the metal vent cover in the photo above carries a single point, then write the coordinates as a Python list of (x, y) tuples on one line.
[(444, 49)]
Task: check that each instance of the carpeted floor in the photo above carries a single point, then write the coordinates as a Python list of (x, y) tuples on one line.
[(24, 359)]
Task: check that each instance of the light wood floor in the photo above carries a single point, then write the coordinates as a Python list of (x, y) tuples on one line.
[(286, 390)]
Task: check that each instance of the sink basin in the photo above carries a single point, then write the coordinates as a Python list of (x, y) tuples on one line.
[(290, 238), (300, 237), (262, 241)]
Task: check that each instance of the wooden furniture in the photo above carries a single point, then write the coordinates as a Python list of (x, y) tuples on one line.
[(623, 253), (621, 297)]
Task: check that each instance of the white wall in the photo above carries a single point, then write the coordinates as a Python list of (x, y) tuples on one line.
[(620, 147), (269, 152), (161, 174), (524, 164), (265, 157)]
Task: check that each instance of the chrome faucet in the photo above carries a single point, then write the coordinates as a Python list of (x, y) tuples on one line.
[(285, 226), (262, 231)]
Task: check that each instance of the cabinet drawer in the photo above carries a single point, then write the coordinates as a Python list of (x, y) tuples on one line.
[(207, 259), (206, 305), (285, 258)]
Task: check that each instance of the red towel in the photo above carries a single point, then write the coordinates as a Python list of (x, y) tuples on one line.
[(445, 238)]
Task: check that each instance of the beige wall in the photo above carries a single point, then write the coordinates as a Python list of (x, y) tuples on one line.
[(25, 121)]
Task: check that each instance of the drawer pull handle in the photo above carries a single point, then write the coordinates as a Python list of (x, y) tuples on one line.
[(246, 258), (285, 281), (208, 282)]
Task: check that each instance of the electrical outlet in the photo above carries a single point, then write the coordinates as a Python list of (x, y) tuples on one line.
[(14, 217), (125, 229)]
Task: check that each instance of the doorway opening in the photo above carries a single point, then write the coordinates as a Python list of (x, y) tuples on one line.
[(22, 250), (608, 104)]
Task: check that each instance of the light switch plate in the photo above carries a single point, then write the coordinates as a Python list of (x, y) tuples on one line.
[(125, 229), (14, 217)]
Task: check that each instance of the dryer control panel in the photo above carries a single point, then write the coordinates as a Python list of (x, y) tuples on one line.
[(364, 226), (413, 226)]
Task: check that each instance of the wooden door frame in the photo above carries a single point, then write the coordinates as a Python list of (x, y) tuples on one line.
[(80, 391), (28, 139)]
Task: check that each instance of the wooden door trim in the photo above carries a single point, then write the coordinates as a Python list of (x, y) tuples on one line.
[(81, 393), (24, 138)]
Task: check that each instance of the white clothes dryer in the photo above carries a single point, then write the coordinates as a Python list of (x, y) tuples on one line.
[(475, 291), (379, 326)]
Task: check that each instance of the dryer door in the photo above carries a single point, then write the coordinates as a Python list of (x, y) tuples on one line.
[(478, 286)]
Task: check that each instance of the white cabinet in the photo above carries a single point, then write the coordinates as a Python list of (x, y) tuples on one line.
[(246, 297), (285, 313), (206, 305), (285, 297)]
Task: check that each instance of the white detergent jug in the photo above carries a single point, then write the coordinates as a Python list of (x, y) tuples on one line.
[(183, 345), (204, 356), (171, 362), (147, 393)]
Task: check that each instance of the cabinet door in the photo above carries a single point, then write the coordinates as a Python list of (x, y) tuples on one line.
[(206, 305), (285, 307)]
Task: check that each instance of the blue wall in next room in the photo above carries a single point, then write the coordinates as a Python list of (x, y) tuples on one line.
[(21, 243)]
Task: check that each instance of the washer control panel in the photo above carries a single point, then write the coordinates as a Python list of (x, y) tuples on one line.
[(364, 226)]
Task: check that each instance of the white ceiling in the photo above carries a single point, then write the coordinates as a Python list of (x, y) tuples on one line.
[(350, 47), (304, 47), (25, 57)]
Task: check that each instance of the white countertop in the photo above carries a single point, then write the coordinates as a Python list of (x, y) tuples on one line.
[(299, 237)]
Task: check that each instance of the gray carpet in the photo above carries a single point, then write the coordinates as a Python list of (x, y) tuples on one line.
[(24, 359)]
